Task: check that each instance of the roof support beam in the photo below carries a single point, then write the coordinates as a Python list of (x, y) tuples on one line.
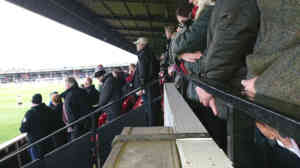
[(128, 35), (111, 12), (129, 11), (139, 1), (143, 29), (155, 18)]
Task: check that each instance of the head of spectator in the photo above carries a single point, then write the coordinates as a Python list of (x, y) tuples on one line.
[(183, 14), (99, 73), (169, 31), (194, 2), (88, 82), (56, 100), (51, 96), (132, 68), (37, 99), (141, 43), (70, 82)]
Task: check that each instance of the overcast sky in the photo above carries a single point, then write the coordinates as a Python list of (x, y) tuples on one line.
[(30, 40)]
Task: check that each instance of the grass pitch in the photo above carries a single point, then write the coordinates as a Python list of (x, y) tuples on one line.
[(11, 114)]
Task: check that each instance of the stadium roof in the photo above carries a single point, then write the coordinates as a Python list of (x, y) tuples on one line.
[(118, 22)]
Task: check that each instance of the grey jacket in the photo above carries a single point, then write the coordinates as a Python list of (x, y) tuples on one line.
[(276, 58)]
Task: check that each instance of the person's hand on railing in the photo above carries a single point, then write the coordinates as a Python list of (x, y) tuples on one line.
[(249, 85), (207, 100), (171, 70), (191, 57)]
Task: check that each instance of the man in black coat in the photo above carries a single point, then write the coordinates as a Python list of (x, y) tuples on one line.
[(93, 94), (75, 106), (147, 71), (36, 124), (111, 92)]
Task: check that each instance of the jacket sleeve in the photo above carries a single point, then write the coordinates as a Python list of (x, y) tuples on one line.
[(233, 37), (281, 79), (106, 93), (191, 39), (26, 122), (71, 108)]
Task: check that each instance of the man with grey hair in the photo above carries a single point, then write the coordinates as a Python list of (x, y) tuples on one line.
[(75, 106), (147, 70)]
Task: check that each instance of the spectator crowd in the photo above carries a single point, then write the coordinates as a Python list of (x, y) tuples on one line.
[(238, 43)]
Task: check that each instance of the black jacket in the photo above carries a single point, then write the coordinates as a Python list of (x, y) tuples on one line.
[(76, 103), (147, 69), (37, 122), (111, 92), (56, 116), (93, 95), (231, 37)]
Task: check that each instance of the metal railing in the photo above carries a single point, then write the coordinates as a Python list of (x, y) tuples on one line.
[(92, 116), (242, 113)]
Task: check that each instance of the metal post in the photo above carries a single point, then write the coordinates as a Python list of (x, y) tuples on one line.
[(148, 107), (18, 155)]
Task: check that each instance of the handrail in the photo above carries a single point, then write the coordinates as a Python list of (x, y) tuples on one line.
[(282, 116), (12, 141), (79, 120)]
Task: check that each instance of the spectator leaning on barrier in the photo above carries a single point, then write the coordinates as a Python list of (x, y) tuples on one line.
[(111, 92), (75, 107), (274, 70), (232, 33), (147, 71), (191, 41), (37, 125)]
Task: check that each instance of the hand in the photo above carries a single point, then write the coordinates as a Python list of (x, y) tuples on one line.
[(179, 29), (191, 57), (249, 84), (140, 93), (267, 131), (161, 73), (171, 70), (207, 100)]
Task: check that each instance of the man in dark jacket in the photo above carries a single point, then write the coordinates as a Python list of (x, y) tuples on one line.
[(147, 71), (92, 93), (75, 106), (192, 38), (36, 124), (111, 92), (231, 36)]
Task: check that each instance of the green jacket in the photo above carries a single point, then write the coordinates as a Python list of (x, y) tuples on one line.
[(232, 34), (193, 38), (276, 58), (231, 37)]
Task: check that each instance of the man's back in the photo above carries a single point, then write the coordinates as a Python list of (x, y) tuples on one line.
[(36, 122), (76, 103)]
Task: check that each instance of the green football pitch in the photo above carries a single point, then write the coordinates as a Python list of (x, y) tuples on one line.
[(11, 114)]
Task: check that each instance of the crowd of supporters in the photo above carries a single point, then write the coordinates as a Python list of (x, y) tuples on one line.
[(80, 100), (229, 42), (239, 44)]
